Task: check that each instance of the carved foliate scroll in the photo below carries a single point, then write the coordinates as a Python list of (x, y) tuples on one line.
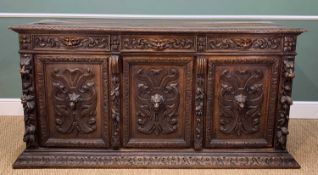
[(115, 100), (28, 100), (243, 43), (157, 100), (72, 42), (241, 97), (75, 100), (155, 43), (199, 101)]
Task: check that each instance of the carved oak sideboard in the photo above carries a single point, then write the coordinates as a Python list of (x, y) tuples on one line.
[(156, 94)]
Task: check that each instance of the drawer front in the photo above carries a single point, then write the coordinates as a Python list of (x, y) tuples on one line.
[(157, 101), (244, 43), (241, 100), (160, 43), (71, 42), (73, 100)]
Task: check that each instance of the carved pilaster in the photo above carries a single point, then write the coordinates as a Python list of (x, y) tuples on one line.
[(199, 101), (285, 100), (115, 100), (28, 100)]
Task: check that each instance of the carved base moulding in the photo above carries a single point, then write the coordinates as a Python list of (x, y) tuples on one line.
[(153, 159), (138, 94)]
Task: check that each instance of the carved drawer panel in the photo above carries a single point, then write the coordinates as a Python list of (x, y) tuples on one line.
[(241, 100), (157, 101), (230, 43), (172, 43), (72, 100), (71, 42)]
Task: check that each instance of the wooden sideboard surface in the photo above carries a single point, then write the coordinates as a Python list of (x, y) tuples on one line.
[(156, 94)]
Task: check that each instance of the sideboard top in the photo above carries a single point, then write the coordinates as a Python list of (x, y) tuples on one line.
[(156, 25)]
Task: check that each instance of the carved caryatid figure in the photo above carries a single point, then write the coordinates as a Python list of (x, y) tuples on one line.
[(157, 100), (74, 100)]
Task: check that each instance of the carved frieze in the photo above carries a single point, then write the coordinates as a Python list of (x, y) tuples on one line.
[(162, 160), (71, 42), (28, 100), (215, 43), (157, 43), (241, 98), (157, 100), (75, 100)]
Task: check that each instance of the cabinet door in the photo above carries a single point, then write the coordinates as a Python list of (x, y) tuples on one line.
[(157, 101), (72, 99), (241, 100)]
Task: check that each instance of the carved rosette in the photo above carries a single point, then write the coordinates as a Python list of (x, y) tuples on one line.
[(75, 100), (28, 100), (199, 101), (237, 43), (241, 98), (157, 100), (71, 42), (115, 100)]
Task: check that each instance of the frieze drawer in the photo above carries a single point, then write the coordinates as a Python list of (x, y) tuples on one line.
[(71, 42), (143, 94), (244, 43), (162, 43)]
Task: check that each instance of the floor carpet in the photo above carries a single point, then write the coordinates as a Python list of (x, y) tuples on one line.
[(302, 144)]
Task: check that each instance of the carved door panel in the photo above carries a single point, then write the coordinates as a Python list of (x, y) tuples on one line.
[(241, 100), (72, 99), (157, 101)]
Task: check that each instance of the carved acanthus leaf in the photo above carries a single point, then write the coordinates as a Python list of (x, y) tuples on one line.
[(75, 100), (157, 100), (241, 98)]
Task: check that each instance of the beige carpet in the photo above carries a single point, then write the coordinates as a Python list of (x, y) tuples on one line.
[(302, 144)]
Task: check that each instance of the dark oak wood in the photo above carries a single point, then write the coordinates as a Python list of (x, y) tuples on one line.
[(156, 94)]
